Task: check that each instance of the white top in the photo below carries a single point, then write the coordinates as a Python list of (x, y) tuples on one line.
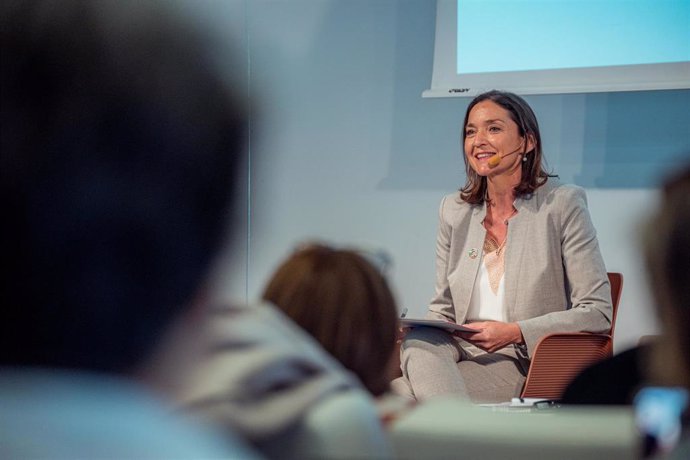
[(484, 304)]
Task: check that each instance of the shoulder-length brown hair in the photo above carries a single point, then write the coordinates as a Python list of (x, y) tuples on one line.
[(533, 173), (344, 302)]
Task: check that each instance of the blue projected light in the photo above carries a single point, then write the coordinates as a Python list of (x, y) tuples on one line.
[(499, 36)]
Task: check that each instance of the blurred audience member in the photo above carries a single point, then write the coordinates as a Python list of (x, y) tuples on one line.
[(341, 298), (344, 302), (122, 135), (611, 382), (655, 375), (120, 146), (264, 377), (667, 251)]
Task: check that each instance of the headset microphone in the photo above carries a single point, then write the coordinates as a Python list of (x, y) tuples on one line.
[(496, 159)]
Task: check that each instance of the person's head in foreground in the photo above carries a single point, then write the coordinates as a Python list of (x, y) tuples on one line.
[(345, 303), (667, 251), (121, 140)]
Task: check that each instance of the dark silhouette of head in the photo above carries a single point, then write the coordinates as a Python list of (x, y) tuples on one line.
[(667, 253), (121, 141)]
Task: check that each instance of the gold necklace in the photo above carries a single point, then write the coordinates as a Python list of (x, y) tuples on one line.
[(490, 242), (504, 220), (507, 218), (491, 245)]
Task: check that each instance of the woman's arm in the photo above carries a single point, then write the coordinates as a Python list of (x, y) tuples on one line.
[(586, 283), (492, 335), (585, 273)]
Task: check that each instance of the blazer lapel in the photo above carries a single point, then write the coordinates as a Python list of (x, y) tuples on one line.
[(467, 268), (520, 232)]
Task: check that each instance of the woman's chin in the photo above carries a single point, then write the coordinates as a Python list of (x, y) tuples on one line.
[(483, 170)]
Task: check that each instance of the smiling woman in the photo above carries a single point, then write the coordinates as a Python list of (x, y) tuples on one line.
[(516, 256), (500, 112)]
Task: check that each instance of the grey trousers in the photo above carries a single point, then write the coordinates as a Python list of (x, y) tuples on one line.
[(434, 362)]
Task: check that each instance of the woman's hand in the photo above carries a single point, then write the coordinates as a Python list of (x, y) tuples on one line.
[(492, 335)]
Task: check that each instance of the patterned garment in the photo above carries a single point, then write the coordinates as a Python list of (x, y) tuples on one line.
[(494, 260)]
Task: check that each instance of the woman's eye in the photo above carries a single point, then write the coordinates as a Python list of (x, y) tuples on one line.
[(469, 132), (494, 129)]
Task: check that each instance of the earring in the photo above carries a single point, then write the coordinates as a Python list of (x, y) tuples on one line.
[(524, 157)]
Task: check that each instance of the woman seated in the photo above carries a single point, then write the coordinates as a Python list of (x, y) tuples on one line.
[(516, 256)]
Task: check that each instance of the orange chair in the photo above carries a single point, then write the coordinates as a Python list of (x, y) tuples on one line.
[(559, 357)]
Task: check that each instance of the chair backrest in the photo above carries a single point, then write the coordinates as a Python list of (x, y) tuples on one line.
[(559, 357)]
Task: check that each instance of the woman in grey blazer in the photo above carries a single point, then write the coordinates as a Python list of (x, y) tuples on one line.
[(516, 258)]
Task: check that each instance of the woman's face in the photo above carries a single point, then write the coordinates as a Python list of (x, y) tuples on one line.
[(489, 131)]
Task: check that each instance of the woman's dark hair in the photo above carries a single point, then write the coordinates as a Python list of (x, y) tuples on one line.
[(533, 173), (344, 302)]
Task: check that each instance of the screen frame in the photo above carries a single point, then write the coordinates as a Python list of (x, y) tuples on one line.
[(447, 83)]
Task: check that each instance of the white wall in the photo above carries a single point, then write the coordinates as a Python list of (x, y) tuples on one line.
[(344, 148)]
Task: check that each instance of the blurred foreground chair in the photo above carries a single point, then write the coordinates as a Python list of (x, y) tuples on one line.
[(559, 357)]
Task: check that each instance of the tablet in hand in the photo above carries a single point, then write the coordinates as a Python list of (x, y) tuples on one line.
[(446, 325)]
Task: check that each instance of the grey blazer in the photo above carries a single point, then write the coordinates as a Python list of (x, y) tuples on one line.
[(555, 278)]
